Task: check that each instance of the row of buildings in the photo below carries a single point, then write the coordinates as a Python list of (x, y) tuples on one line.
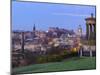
[(43, 40)]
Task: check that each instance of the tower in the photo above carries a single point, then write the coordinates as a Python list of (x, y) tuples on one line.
[(34, 29), (80, 31), (91, 27)]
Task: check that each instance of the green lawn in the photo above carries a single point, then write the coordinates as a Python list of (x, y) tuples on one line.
[(66, 65)]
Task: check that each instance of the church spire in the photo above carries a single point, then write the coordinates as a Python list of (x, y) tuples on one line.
[(34, 27)]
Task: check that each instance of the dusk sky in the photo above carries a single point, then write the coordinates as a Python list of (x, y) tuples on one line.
[(45, 15)]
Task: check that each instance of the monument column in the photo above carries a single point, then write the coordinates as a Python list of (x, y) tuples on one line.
[(94, 31), (87, 31), (91, 33), (90, 27)]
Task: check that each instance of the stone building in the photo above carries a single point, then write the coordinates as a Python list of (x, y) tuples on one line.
[(91, 27)]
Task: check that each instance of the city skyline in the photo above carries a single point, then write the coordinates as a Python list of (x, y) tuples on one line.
[(45, 15)]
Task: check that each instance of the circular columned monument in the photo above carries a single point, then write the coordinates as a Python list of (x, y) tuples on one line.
[(91, 27)]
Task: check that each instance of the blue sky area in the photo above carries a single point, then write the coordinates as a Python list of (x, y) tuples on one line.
[(44, 15)]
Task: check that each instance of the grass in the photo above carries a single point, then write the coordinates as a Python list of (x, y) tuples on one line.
[(83, 63)]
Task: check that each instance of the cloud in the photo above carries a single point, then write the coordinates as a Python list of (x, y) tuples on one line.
[(71, 14)]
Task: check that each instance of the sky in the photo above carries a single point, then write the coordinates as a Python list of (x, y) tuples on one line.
[(45, 15)]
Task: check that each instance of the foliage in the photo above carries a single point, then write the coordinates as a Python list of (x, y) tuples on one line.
[(92, 42), (89, 42), (56, 54)]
